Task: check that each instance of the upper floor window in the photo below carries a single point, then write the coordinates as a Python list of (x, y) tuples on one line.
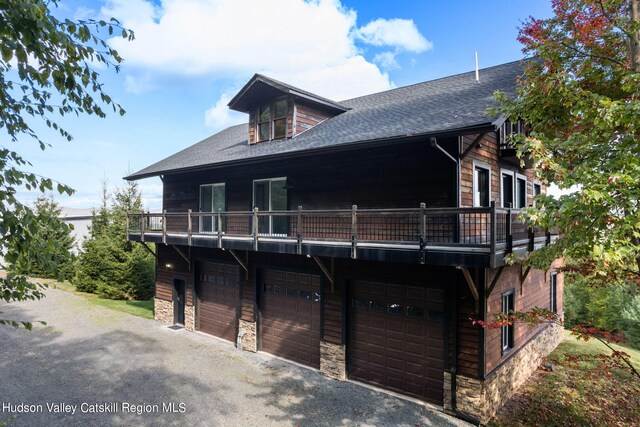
[(272, 120), (507, 188), (514, 189), (521, 191), (481, 185), (271, 195), (212, 199), (537, 190)]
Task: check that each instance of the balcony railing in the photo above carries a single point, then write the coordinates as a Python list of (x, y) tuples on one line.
[(487, 230)]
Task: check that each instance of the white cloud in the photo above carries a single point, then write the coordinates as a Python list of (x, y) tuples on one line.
[(399, 33), (219, 116), (387, 60), (311, 44), (139, 84)]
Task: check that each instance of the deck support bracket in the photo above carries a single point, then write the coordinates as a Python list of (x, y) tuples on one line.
[(144, 245), (326, 272), (471, 285), (495, 280), (185, 257), (473, 145), (523, 276), (242, 263)]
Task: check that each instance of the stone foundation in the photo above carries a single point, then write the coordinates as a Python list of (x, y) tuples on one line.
[(333, 360), (249, 342), (163, 311), (189, 318), (482, 399)]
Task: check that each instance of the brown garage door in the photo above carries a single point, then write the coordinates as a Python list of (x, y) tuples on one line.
[(291, 316), (396, 338), (217, 287)]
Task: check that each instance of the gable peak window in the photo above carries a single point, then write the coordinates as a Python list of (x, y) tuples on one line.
[(272, 120)]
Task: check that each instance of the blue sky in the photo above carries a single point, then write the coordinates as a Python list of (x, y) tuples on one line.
[(191, 56)]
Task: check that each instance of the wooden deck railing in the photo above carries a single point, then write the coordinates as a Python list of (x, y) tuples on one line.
[(490, 227)]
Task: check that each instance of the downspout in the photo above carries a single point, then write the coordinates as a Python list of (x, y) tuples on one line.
[(433, 141)]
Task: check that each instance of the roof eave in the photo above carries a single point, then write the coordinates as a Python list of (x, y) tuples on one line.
[(484, 126)]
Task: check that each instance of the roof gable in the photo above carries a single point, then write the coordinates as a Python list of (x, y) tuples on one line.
[(260, 89)]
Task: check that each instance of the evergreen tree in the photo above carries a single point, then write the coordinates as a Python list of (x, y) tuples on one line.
[(48, 251), (110, 265)]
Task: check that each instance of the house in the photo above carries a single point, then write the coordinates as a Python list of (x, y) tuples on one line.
[(360, 237), (80, 219)]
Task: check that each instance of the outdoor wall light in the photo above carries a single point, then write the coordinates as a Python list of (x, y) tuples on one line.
[(169, 265)]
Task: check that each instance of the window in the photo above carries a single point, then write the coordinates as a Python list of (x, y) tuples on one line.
[(507, 330), (521, 191), (272, 120), (271, 195), (537, 190), (553, 292), (481, 185), (507, 188), (212, 199)]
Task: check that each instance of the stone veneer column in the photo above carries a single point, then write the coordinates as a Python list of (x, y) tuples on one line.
[(333, 360), (163, 311), (249, 341), (189, 318), (482, 399)]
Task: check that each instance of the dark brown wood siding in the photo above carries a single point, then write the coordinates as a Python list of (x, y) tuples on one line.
[(534, 292), (307, 115), (179, 269)]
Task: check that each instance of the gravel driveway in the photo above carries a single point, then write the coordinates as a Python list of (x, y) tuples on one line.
[(112, 368)]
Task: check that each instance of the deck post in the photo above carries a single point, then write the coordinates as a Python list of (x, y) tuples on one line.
[(423, 231), (164, 226), (189, 227), (299, 230), (142, 226), (509, 231), (354, 231), (547, 235), (220, 228), (255, 229), (494, 232), (531, 237)]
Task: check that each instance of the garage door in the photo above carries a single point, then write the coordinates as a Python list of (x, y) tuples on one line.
[(291, 316), (396, 338), (217, 288)]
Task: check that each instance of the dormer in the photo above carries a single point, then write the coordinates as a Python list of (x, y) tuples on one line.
[(278, 110)]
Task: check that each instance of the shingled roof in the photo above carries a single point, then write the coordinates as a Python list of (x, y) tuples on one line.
[(448, 104)]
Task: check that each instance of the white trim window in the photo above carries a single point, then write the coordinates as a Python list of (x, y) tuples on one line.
[(507, 188), (537, 190), (521, 191), (553, 291), (508, 306), (212, 199), (481, 184), (271, 195)]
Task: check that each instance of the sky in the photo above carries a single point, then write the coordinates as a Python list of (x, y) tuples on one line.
[(190, 57)]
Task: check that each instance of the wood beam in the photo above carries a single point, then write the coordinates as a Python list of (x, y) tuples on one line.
[(243, 264), (473, 145), (186, 258), (523, 276), (326, 272), (495, 280), (149, 249), (472, 286)]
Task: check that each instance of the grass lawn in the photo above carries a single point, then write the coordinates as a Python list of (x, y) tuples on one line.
[(137, 308), (577, 393)]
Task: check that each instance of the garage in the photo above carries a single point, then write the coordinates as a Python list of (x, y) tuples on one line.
[(396, 338), (290, 306), (217, 289)]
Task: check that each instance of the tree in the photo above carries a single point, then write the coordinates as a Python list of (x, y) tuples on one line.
[(581, 97), (49, 251), (110, 265), (46, 71)]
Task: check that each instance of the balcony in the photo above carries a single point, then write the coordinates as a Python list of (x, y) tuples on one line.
[(469, 237)]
